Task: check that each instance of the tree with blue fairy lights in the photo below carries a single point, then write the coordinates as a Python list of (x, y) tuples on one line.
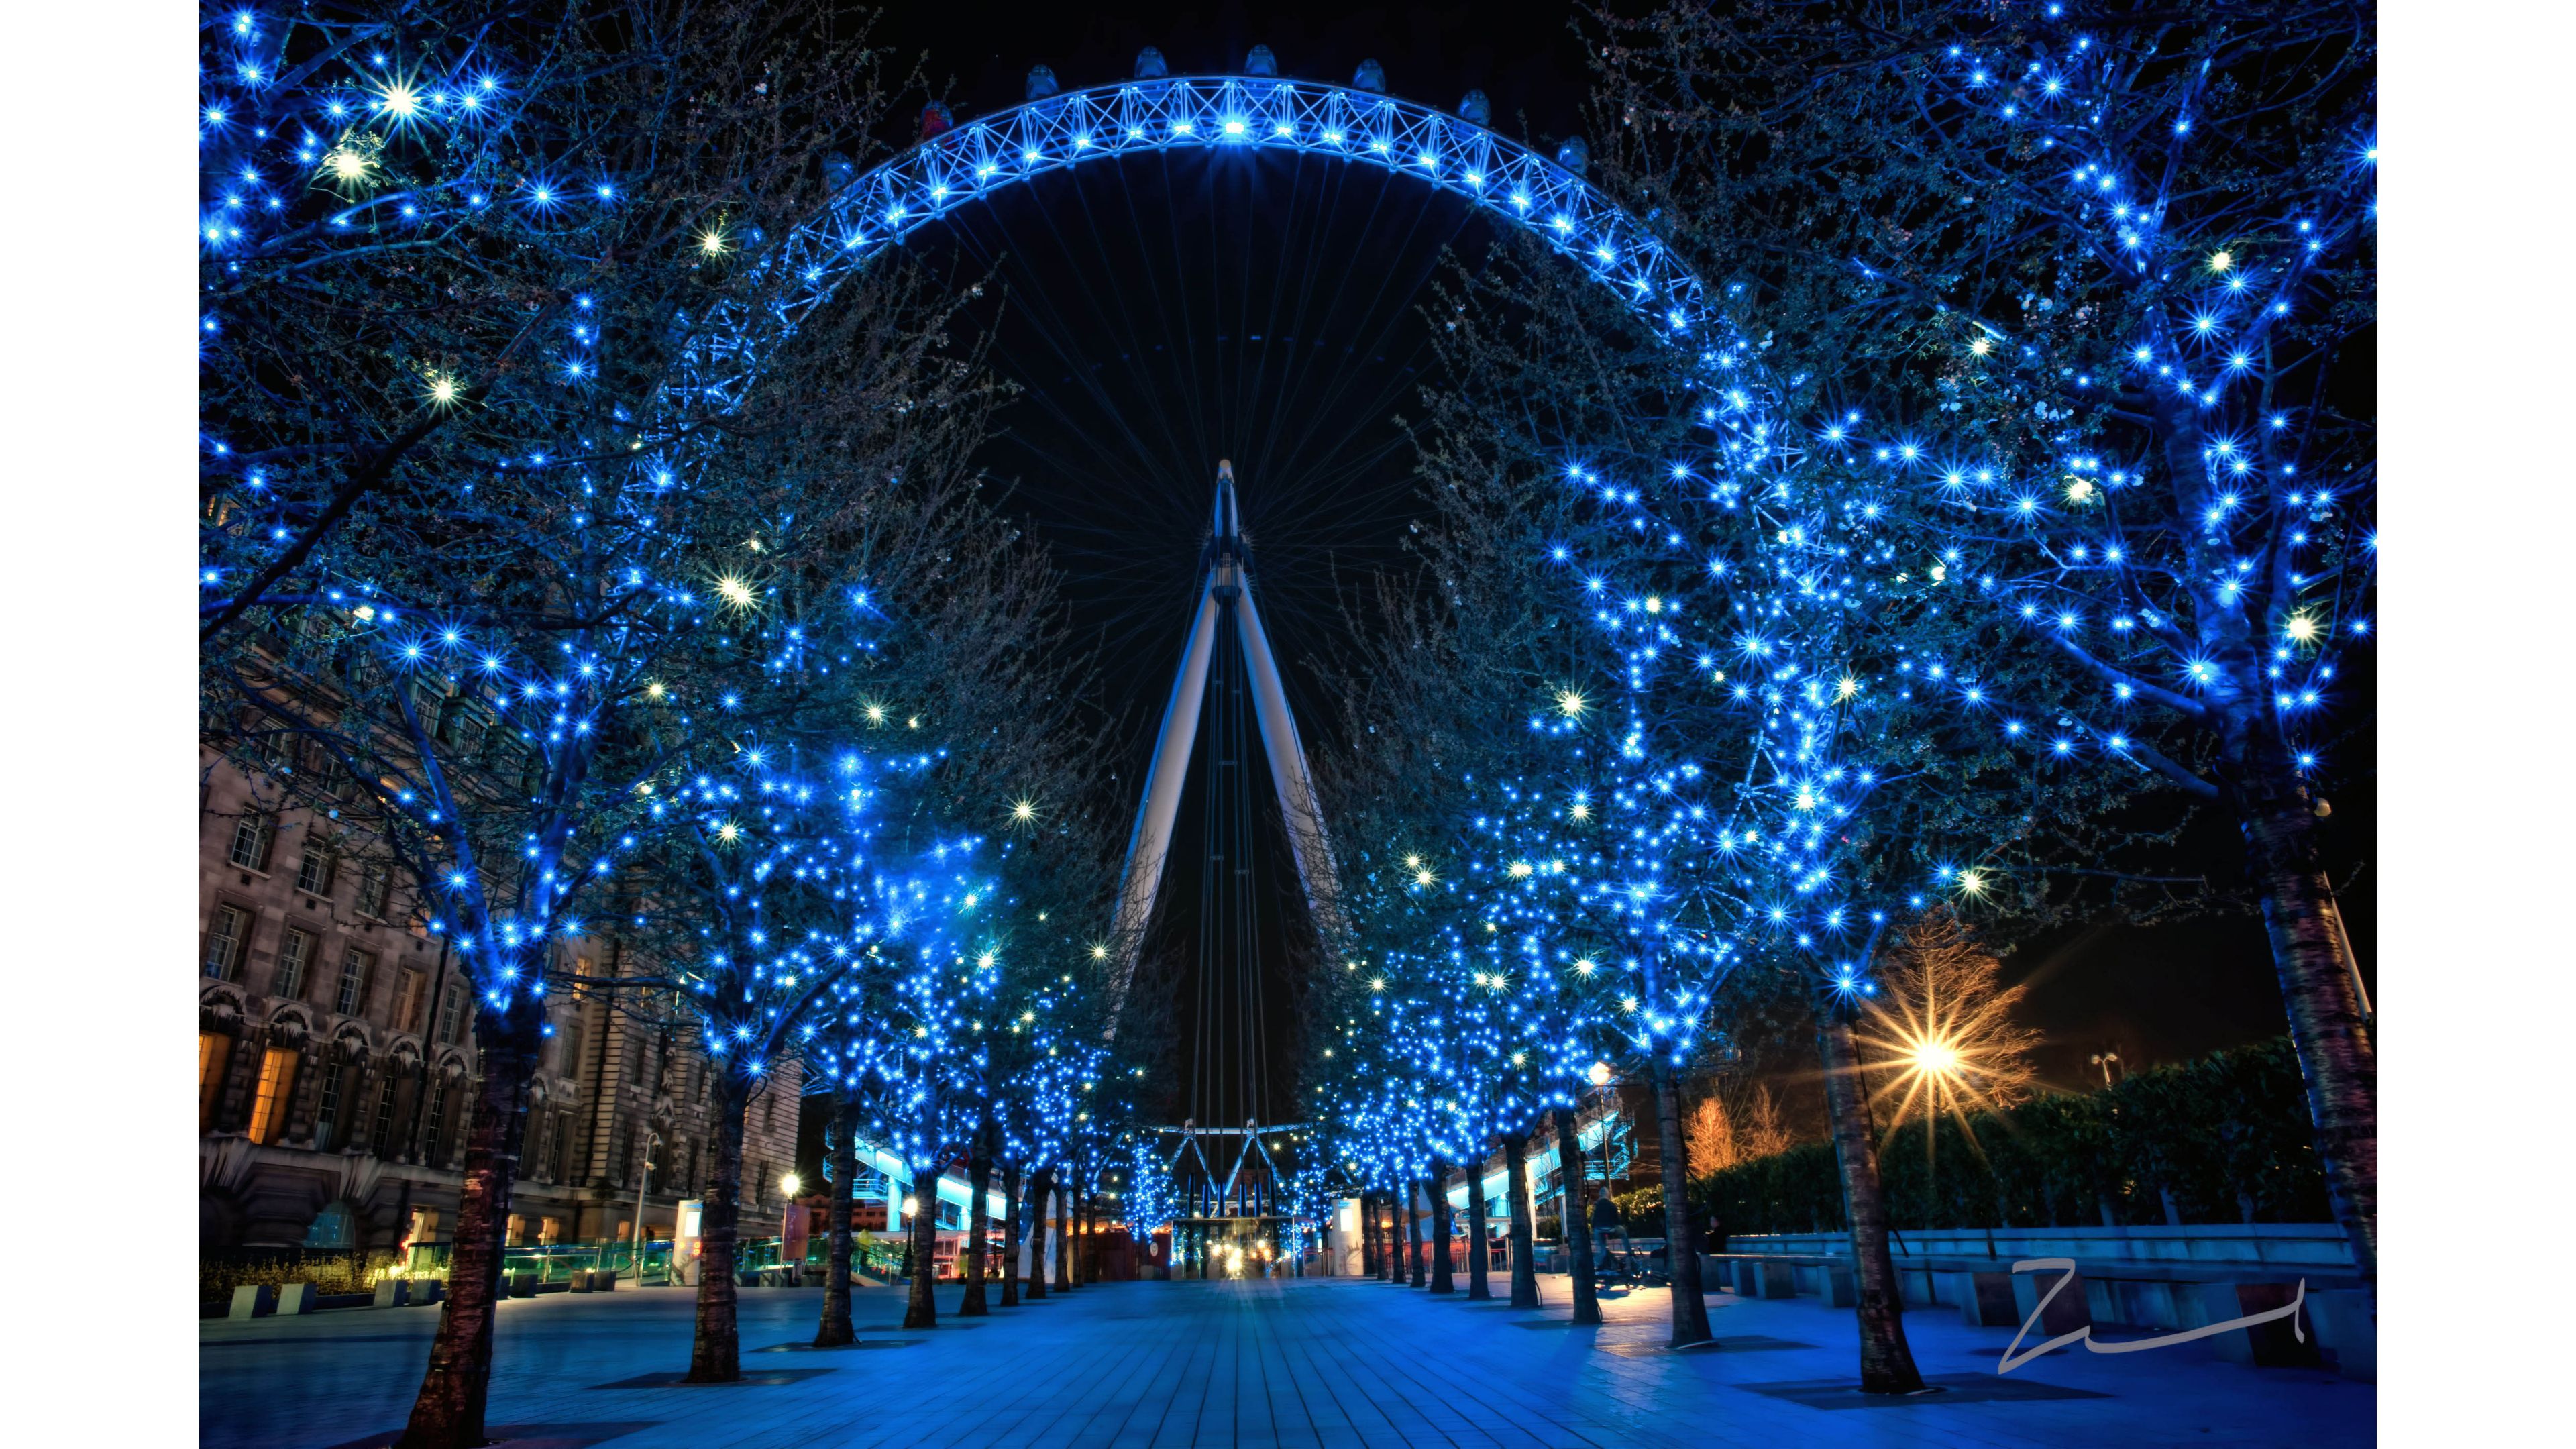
[(469, 566), (2099, 287)]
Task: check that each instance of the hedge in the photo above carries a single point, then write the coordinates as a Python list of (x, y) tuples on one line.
[(2223, 1139)]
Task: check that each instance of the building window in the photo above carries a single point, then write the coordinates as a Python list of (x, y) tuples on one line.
[(542, 1138), (514, 1230), (563, 1152), (334, 1228), (227, 932), (276, 1086), (549, 1231), (617, 1144), (326, 1113), (382, 1135), (435, 1150), (568, 1056), (355, 967), (449, 1010), (313, 874), (214, 1053), (407, 996), (372, 879), (294, 956), (253, 835)]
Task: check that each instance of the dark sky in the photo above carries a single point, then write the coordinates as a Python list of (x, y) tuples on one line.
[(1160, 313)]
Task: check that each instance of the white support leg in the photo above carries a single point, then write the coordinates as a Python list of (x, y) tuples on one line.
[(1307, 842), (1151, 841)]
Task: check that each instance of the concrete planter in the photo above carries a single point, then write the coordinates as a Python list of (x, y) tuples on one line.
[(1986, 1300), (2347, 1328), (2268, 1345), (2068, 1311)]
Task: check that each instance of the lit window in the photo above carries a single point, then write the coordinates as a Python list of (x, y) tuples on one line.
[(276, 1085), (214, 1053)]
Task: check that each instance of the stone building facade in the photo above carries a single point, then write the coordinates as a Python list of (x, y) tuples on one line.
[(336, 1063)]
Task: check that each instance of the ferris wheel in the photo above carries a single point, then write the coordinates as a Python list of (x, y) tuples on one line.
[(1202, 268)]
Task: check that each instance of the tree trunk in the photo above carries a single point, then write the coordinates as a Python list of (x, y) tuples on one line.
[(1577, 1216), (1010, 1234), (1064, 1232), (836, 1329), (715, 1356), (1391, 1256), (978, 1168), (921, 1308), (1886, 1363), (2320, 992), (1479, 1244), (1681, 1245), (1524, 1228), (1413, 1246), (448, 1411), (1041, 1185), (1443, 1279)]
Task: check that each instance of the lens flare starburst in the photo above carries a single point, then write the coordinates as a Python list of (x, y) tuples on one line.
[(1939, 1036)]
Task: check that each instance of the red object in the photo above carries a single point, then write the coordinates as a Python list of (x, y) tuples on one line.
[(935, 118)]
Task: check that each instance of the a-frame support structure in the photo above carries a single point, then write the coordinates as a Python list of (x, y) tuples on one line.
[(1225, 594)]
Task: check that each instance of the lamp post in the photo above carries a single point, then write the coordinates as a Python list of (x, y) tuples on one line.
[(2104, 1061), (788, 1186), (1599, 1075), (644, 1177)]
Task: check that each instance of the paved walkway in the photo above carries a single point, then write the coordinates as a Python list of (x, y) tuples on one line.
[(1350, 1364)]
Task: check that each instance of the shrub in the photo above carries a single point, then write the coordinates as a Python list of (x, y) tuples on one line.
[(2225, 1138)]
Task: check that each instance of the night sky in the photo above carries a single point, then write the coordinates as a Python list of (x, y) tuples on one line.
[(1160, 313)]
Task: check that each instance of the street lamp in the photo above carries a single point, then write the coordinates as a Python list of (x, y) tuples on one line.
[(788, 1186), (644, 1179), (2104, 1061)]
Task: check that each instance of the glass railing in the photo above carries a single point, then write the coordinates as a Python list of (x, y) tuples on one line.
[(557, 1262)]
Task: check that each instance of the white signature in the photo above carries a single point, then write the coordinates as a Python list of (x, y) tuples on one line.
[(2012, 1361)]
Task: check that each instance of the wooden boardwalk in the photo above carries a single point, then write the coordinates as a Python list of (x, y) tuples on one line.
[(1349, 1364)]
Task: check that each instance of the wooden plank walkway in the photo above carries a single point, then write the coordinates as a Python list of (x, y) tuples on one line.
[(1331, 1363)]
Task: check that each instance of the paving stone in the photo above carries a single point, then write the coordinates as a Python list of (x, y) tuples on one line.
[(1331, 1364)]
